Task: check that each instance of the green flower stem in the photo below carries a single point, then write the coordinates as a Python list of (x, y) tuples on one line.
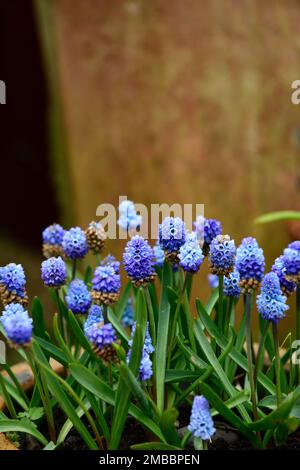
[(220, 318), (260, 352), (7, 398), (176, 314), (44, 394), (228, 316), (151, 315), (298, 327), (60, 314), (277, 363), (249, 355), (74, 266), (98, 259)]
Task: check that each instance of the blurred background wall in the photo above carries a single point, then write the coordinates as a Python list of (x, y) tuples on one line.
[(181, 101)]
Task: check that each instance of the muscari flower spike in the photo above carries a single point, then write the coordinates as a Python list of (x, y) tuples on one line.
[(288, 286), (221, 255), (201, 423), (129, 219), (159, 255), (213, 281), (75, 244), (250, 263), (95, 236), (145, 369), (190, 254), (291, 259), (17, 325), (206, 231), (231, 285), (54, 272), (106, 285), (52, 240), (172, 235), (12, 284), (110, 260), (95, 316), (138, 260), (78, 298), (271, 304), (128, 314), (102, 336)]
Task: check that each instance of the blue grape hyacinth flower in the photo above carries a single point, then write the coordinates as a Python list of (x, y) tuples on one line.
[(12, 284), (95, 315), (106, 284), (75, 244), (250, 263), (159, 255), (128, 314), (222, 255), (190, 254), (172, 235), (213, 281), (288, 286), (138, 260), (54, 272), (271, 304), (78, 298), (52, 240), (231, 285), (102, 336), (201, 423), (145, 369), (17, 325), (291, 259)]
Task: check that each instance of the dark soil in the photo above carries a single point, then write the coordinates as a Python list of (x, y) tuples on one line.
[(226, 437)]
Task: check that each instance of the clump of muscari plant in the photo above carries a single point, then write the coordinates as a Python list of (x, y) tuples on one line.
[(142, 349)]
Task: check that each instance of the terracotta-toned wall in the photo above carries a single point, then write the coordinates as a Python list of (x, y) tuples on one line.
[(183, 101)]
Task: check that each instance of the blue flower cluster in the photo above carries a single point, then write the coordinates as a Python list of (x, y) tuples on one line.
[(159, 255), (271, 304), (74, 243), (129, 219), (138, 260), (54, 272), (250, 263), (106, 279), (106, 284), (222, 255), (12, 284), (128, 314), (17, 325), (95, 316), (53, 235), (100, 335), (201, 423), (78, 298), (288, 286), (291, 259), (190, 254), (145, 369), (110, 260), (172, 235), (231, 285), (212, 228), (213, 281)]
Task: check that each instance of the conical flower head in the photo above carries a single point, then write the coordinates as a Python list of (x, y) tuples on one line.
[(288, 286), (201, 423), (190, 254), (52, 240), (221, 255), (271, 304), (250, 263), (138, 260), (17, 325), (75, 244), (78, 298), (291, 259), (172, 235)]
